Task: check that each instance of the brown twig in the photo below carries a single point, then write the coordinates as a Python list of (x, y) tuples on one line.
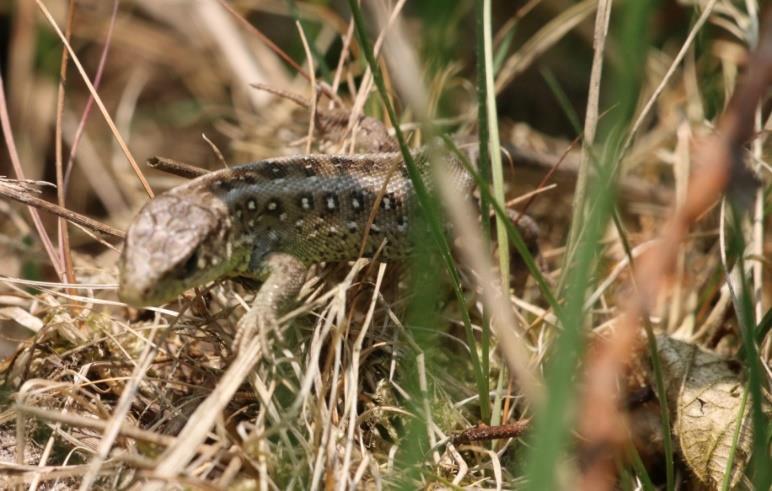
[(483, 432), (284, 94), (175, 167), (15, 191)]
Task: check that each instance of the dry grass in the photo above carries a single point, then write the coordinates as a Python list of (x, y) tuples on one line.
[(370, 382)]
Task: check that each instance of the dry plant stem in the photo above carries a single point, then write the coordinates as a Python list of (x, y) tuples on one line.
[(756, 247), (502, 320), (527, 197), (344, 53), (64, 236), (314, 97), (14, 157), (285, 94), (90, 102), (78, 421), (98, 101), (284, 56), (174, 460), (66, 214), (602, 17), (216, 151), (718, 160)]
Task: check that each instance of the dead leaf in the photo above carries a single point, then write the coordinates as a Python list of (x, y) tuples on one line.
[(705, 394)]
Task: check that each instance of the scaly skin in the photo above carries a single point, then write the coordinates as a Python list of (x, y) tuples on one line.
[(274, 215)]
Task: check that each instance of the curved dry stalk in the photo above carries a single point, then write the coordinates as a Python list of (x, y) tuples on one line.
[(719, 160)]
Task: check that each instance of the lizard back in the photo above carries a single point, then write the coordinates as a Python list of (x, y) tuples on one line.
[(316, 208)]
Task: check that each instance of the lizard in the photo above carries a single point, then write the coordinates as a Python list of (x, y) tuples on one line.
[(270, 220)]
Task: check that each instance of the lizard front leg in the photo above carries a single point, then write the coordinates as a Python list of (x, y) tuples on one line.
[(285, 274)]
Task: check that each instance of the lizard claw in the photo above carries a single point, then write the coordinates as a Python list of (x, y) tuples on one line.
[(258, 321), (282, 284)]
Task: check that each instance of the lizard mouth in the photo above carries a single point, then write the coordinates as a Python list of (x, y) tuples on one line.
[(141, 290), (142, 297), (142, 285), (168, 248)]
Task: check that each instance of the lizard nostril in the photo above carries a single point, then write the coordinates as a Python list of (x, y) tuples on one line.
[(191, 264)]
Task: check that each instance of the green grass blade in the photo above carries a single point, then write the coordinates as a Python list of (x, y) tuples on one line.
[(735, 441), (497, 171), (743, 303), (427, 205), (484, 163), (664, 408), (511, 230), (551, 433)]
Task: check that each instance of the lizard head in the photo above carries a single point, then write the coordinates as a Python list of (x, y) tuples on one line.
[(179, 240)]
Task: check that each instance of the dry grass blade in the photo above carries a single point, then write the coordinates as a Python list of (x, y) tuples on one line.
[(64, 236), (547, 36), (89, 422), (602, 18), (98, 100), (14, 156)]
